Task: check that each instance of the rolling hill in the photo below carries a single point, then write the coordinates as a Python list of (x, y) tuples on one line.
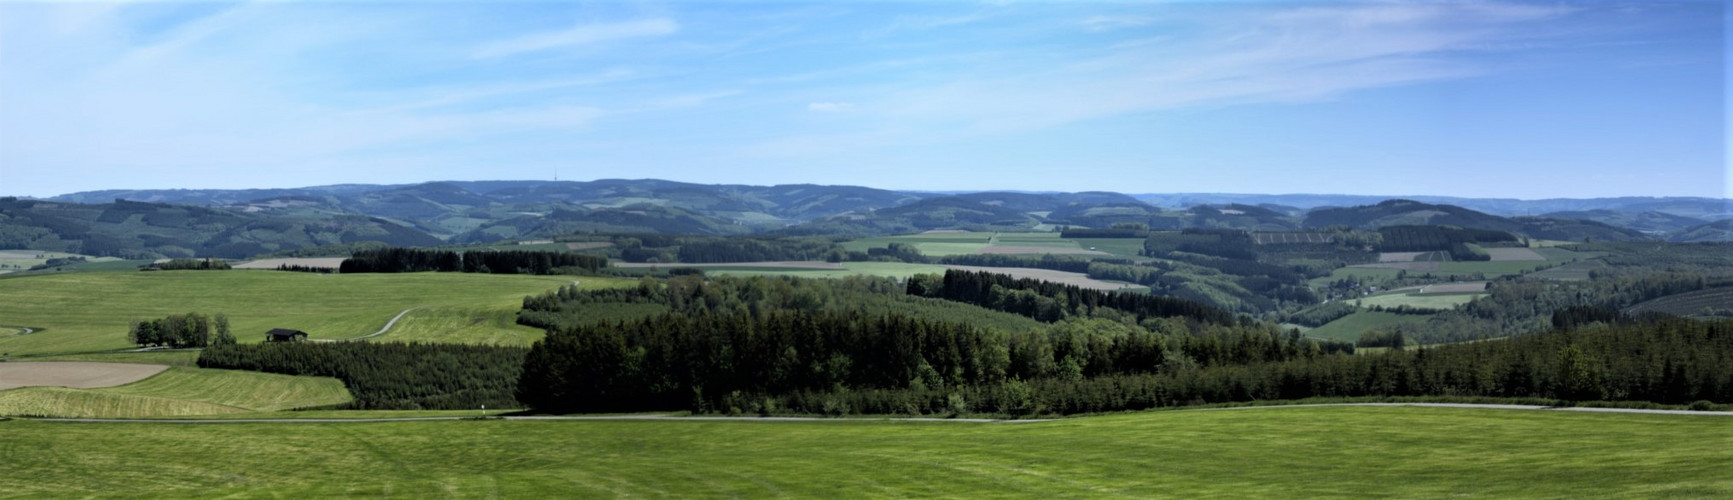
[(1410, 212)]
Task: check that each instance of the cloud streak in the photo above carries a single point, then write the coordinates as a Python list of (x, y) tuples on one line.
[(582, 35)]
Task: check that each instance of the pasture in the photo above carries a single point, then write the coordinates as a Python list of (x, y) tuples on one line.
[(87, 312), (81, 375), (1280, 452), (1348, 328), (1418, 299), (175, 392)]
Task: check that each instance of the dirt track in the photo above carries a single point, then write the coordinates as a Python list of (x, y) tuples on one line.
[(74, 374)]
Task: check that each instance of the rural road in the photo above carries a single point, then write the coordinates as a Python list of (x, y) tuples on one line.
[(381, 331), (823, 419)]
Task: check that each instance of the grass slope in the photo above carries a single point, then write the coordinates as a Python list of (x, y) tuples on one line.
[(85, 312), (1349, 327), (179, 391), (1423, 301), (1266, 453)]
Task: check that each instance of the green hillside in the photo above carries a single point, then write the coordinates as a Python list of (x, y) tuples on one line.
[(83, 312)]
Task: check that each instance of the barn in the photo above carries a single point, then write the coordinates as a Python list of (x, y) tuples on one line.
[(285, 335)]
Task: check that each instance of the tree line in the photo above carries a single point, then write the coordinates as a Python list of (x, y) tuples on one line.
[(1428, 238), (412, 260), (389, 376), (1050, 301)]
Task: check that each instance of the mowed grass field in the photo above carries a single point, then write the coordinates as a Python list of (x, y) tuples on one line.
[(1420, 300), (1348, 328), (1292, 452), (179, 391), (85, 312)]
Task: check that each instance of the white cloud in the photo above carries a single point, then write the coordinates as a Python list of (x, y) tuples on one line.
[(578, 36), (829, 107)]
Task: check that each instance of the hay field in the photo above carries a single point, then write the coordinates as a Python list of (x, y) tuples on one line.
[(176, 392), (1513, 254), (1281, 452)]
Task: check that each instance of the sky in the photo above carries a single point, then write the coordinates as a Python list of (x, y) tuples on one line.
[(1553, 99)]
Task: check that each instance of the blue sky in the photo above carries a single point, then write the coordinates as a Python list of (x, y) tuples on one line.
[(1477, 98)]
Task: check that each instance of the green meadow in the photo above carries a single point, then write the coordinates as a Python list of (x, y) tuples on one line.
[(1423, 301), (179, 391), (1282, 452), (90, 311), (1348, 328)]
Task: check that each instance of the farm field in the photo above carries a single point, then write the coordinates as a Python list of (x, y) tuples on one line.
[(331, 262), (890, 269), (961, 243), (86, 312), (177, 391), (1689, 303), (176, 357), (76, 374), (1420, 300), (931, 244), (1292, 452), (1348, 328)]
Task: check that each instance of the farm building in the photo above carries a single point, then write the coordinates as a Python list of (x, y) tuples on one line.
[(285, 335)]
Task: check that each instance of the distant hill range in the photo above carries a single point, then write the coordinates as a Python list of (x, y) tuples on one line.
[(234, 223)]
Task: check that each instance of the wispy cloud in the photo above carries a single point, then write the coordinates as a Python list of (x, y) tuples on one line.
[(578, 36), (829, 107)]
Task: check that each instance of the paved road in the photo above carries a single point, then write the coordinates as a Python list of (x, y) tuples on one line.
[(381, 331), (822, 419)]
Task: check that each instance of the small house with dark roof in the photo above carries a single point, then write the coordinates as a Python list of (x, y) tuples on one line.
[(285, 335)]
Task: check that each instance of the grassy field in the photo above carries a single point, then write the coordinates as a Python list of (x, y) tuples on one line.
[(85, 312), (179, 391), (890, 269), (1348, 327), (1424, 301), (932, 244), (1294, 452), (187, 357)]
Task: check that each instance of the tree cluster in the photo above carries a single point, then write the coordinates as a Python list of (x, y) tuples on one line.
[(1048, 301), (389, 376), (1429, 238), (192, 264), (412, 260), (180, 331)]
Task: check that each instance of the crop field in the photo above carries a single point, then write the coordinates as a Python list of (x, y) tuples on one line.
[(1514, 254), (1491, 269), (178, 391), (1689, 303), (86, 312), (1295, 452), (932, 244), (83, 375), (1348, 328), (1420, 300), (1276, 238), (887, 269)]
